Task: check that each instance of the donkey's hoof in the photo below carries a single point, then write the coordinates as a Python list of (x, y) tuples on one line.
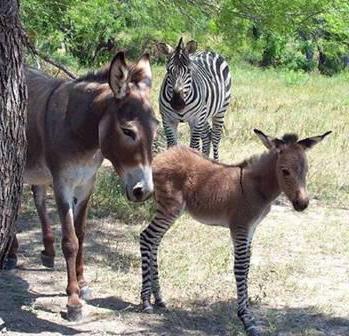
[(252, 331), (47, 261), (10, 263), (160, 303), (147, 307), (85, 293), (74, 312)]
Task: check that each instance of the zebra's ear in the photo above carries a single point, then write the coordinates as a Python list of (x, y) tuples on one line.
[(164, 49), (268, 141), (118, 75), (191, 46)]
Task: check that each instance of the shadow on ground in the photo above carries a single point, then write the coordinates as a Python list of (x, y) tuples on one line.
[(219, 319), (15, 312)]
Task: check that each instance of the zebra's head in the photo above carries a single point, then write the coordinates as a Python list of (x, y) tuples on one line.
[(179, 71)]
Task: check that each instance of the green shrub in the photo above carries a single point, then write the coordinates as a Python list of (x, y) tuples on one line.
[(109, 200)]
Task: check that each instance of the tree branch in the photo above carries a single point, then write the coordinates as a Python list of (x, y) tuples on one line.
[(31, 47)]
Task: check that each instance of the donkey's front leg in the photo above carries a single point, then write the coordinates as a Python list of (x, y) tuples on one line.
[(81, 201), (70, 247), (242, 255)]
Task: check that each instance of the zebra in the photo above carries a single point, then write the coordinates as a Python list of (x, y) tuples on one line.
[(196, 89)]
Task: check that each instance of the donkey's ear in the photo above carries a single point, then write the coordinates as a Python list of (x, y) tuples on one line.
[(268, 141), (118, 75), (308, 143), (191, 46), (164, 49), (142, 75)]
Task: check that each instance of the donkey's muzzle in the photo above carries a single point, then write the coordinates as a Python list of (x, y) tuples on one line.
[(140, 193), (300, 204), (139, 184)]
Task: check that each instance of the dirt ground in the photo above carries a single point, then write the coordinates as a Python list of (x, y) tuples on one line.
[(32, 298)]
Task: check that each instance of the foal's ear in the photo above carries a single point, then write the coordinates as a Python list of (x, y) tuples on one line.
[(308, 143), (164, 49), (118, 75), (191, 46), (142, 75), (268, 141)]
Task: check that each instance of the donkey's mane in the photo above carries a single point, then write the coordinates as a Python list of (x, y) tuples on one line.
[(101, 75)]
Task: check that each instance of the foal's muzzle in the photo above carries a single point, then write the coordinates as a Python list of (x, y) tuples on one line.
[(300, 204)]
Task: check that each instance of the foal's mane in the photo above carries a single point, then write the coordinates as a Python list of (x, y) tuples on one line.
[(287, 139)]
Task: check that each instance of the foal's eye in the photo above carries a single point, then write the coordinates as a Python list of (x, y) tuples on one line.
[(285, 172), (129, 133)]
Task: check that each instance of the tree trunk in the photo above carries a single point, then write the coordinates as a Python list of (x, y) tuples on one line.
[(13, 97)]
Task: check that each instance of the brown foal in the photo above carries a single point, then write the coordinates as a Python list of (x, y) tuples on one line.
[(234, 196), (72, 126)]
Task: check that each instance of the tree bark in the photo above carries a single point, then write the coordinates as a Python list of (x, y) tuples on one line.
[(13, 98)]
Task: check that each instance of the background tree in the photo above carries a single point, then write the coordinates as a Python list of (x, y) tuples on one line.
[(12, 120)]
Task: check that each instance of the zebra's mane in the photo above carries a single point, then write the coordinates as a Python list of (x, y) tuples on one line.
[(180, 58)]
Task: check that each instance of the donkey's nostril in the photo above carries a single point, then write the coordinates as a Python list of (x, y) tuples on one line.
[(138, 193)]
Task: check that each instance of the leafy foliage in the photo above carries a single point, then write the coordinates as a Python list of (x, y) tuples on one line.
[(297, 34)]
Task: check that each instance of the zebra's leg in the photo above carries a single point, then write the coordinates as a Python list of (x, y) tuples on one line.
[(217, 126), (150, 239), (206, 139), (197, 129), (170, 128), (242, 255)]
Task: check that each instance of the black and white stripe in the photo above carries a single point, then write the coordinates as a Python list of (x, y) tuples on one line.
[(197, 90)]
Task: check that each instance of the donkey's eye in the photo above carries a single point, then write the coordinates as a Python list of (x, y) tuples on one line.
[(285, 172), (129, 133)]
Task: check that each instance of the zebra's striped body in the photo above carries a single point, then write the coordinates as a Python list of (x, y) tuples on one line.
[(196, 90), (235, 196)]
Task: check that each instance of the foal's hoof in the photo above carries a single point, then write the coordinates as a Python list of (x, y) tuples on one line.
[(160, 303), (85, 293), (147, 307), (74, 312), (47, 261), (10, 263)]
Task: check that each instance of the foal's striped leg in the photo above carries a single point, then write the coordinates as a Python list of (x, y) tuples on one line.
[(150, 239), (242, 254)]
